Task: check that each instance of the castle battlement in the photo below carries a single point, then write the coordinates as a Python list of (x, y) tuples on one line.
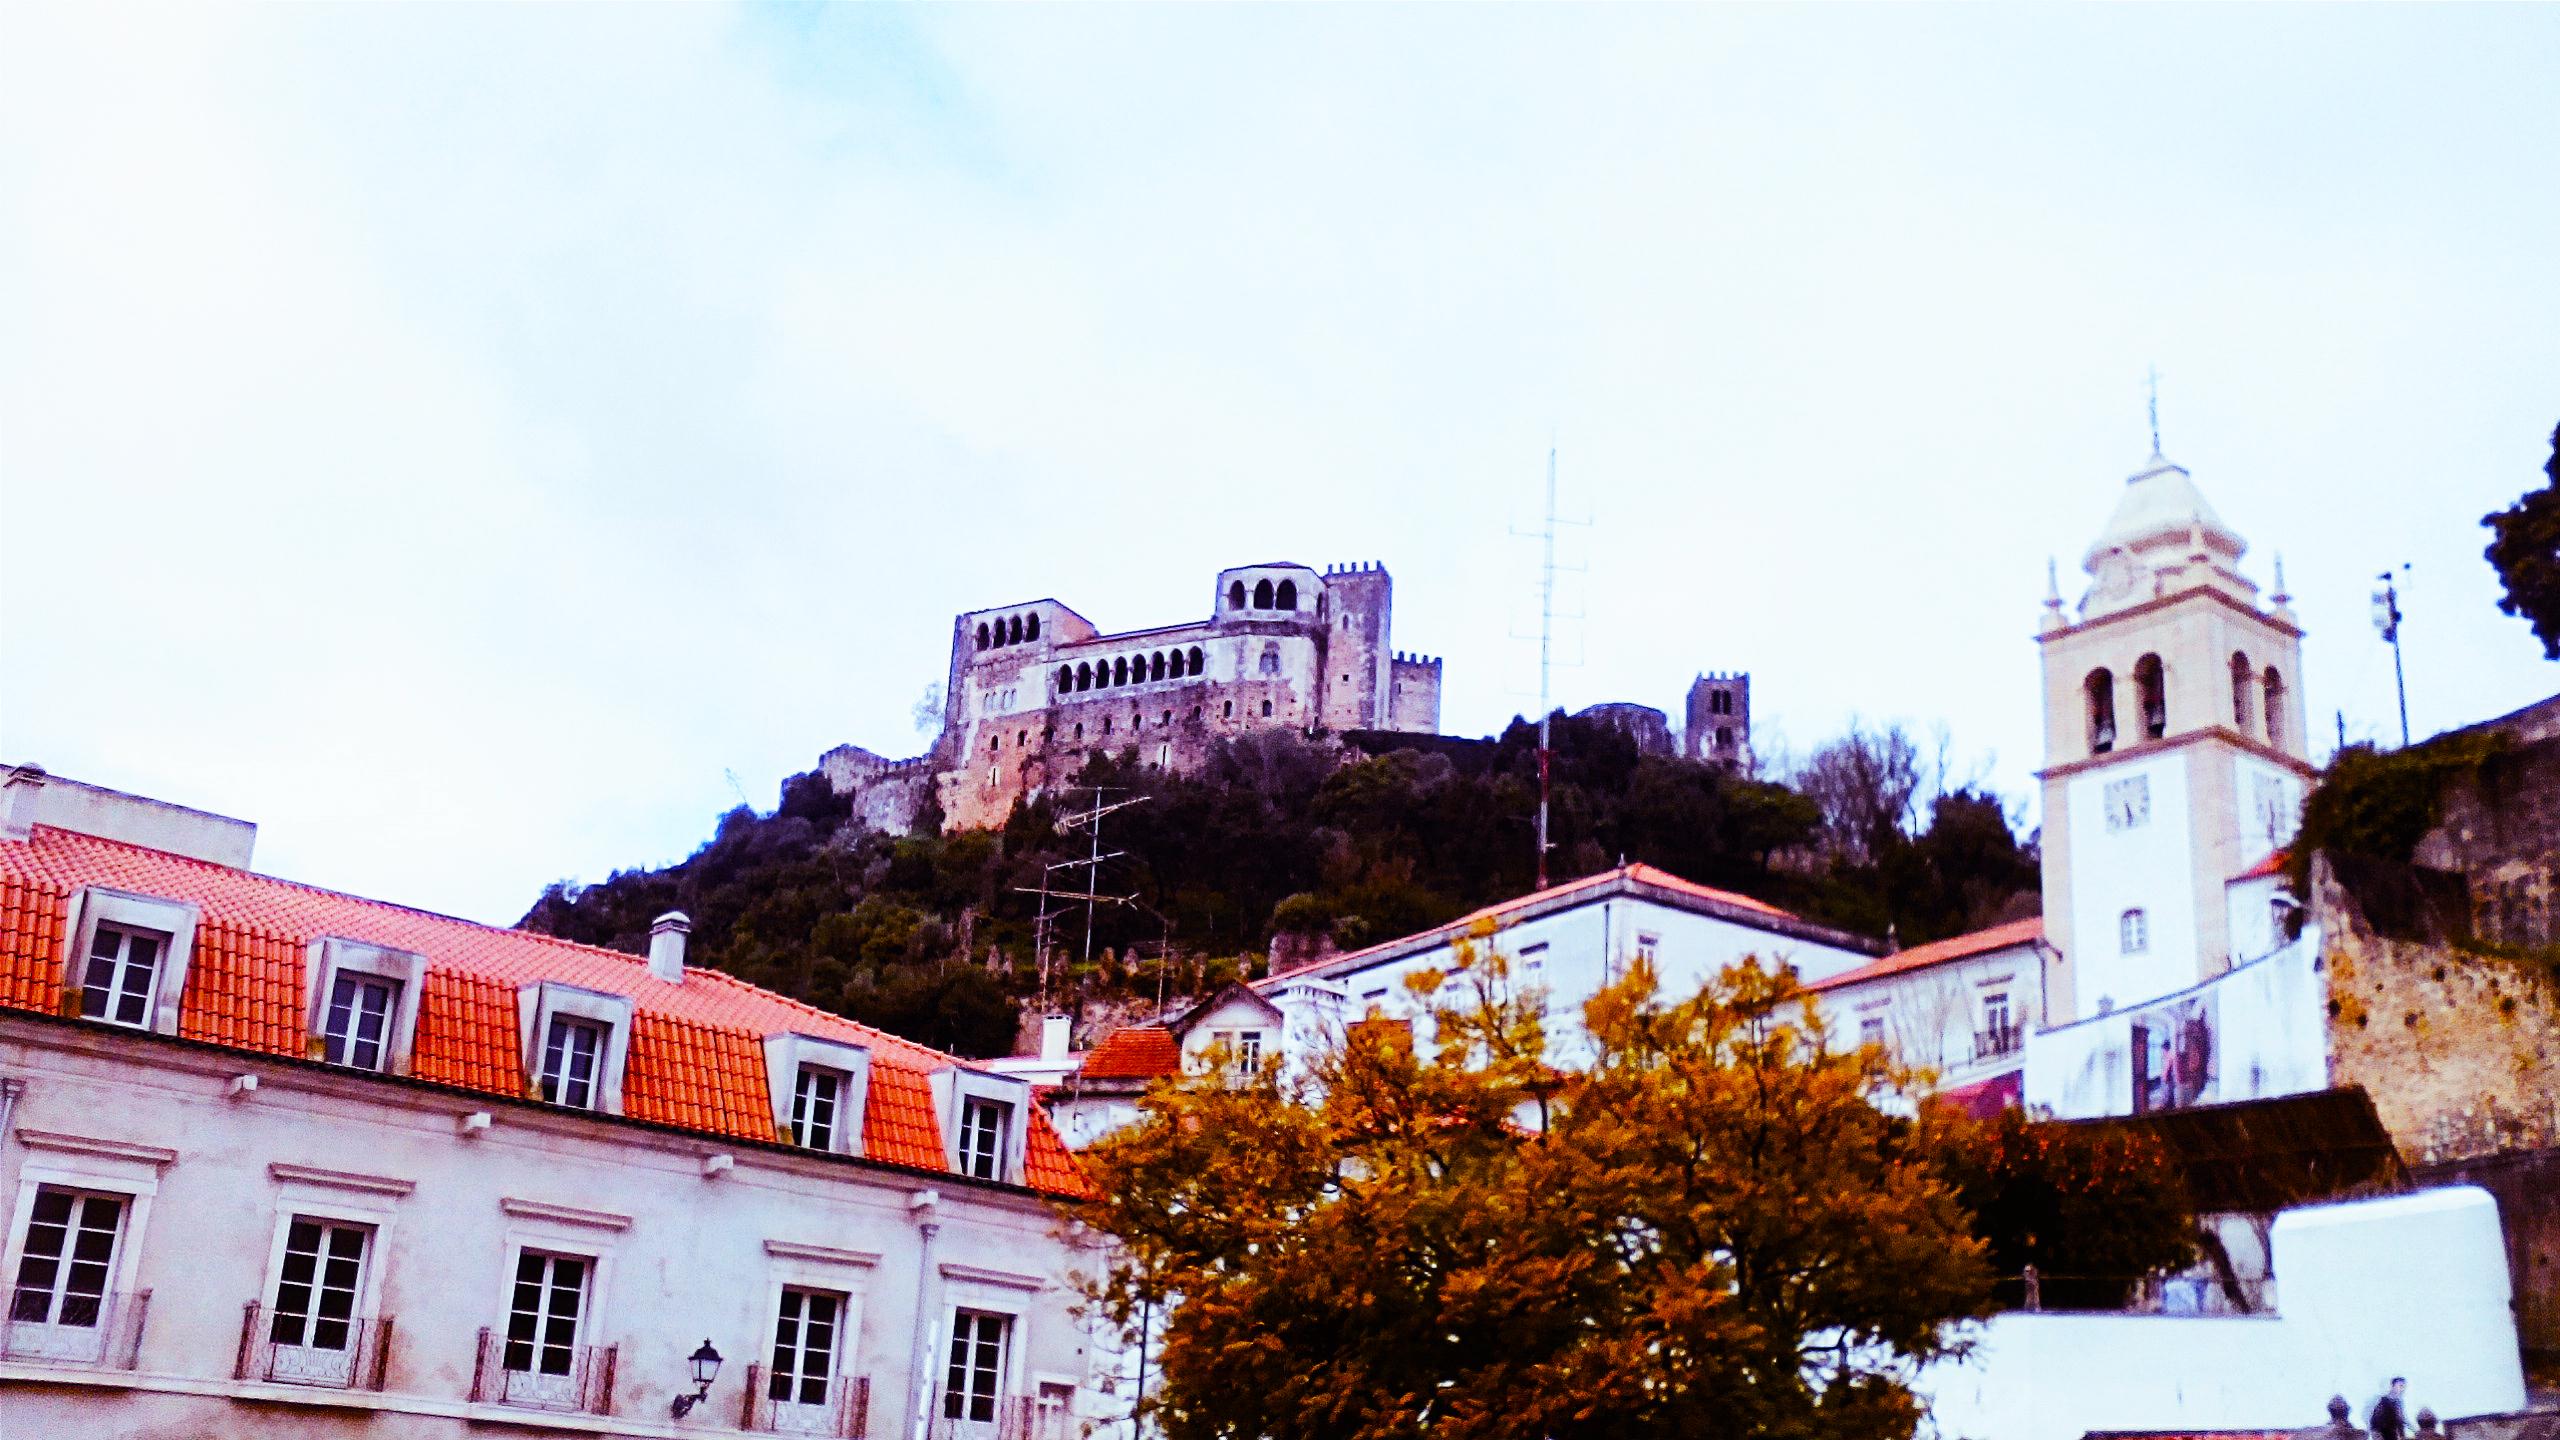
[(1034, 689)]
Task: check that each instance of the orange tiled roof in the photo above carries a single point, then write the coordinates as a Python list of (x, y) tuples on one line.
[(1134, 1052), (696, 1053), (1640, 873), (1939, 952), (2272, 865)]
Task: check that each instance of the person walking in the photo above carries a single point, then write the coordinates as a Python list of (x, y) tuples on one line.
[(2388, 1421)]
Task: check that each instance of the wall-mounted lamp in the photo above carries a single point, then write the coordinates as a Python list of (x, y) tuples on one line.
[(706, 1368)]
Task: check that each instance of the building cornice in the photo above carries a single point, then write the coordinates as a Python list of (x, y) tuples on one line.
[(524, 1209), (2158, 603), (156, 1156), (2148, 748), (821, 1254), (341, 1179)]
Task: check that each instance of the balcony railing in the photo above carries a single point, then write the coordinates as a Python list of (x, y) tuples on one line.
[(302, 1350), (845, 1413), (1017, 1417), (100, 1332), (1997, 1041), (2039, 1292), (577, 1379)]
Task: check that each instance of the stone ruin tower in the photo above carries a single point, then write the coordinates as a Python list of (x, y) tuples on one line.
[(1718, 724)]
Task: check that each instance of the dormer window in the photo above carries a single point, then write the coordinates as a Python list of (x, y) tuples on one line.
[(984, 1126), (572, 1058), (358, 1029), (819, 1089), (363, 1004), (817, 1098), (577, 1043), (122, 977), (126, 963)]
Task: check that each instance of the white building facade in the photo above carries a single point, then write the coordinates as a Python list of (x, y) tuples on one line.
[(278, 1161)]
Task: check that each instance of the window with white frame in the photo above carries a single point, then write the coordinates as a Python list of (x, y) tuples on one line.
[(318, 1285), (356, 1030), (806, 1334), (120, 983), (545, 1313), (572, 1054), (984, 1128), (1995, 1012), (1648, 947), (1871, 1030), (817, 1100), (2133, 932), (68, 1259), (974, 1382)]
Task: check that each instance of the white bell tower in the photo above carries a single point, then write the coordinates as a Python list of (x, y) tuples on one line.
[(2175, 755)]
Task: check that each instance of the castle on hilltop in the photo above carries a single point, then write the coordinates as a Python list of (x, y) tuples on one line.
[(1035, 690)]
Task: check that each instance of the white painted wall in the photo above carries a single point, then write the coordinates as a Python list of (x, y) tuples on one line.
[(684, 1251), (1932, 1016), (2270, 1037), (2149, 866), (2252, 914), (2269, 801), (2412, 1285), (1574, 953)]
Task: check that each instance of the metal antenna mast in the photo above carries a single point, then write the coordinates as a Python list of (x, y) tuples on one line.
[(1090, 820), (1546, 663), (2386, 620)]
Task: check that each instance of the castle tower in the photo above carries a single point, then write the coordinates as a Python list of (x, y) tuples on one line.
[(1359, 620), (1717, 726), (2175, 751)]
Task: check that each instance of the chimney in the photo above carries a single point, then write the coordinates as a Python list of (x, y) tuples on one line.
[(1053, 1037), (666, 946), (20, 794)]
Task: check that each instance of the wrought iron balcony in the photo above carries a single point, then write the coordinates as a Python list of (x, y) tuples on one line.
[(839, 1406), (287, 1349), (1015, 1417), (1998, 1040), (98, 1332), (575, 1379)]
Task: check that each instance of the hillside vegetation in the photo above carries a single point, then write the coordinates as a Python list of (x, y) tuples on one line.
[(931, 936)]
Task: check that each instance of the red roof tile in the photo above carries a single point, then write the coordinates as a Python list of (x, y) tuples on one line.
[(2272, 865), (1939, 952), (1640, 873), (1133, 1052), (696, 1054)]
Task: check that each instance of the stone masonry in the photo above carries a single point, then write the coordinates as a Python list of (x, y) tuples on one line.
[(1035, 690)]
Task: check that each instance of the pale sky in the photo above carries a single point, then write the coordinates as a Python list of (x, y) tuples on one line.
[(459, 438)]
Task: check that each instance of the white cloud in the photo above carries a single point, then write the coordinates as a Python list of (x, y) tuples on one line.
[(453, 436)]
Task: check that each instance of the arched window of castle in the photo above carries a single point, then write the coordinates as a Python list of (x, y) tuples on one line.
[(1009, 632), (2242, 677), (1266, 709), (982, 635), (1262, 595), (995, 743), (1167, 722), (2151, 684), (1235, 596), (1286, 597), (1196, 661), (1066, 679), (1120, 671), (1031, 627), (1084, 676), (1230, 712), (2133, 932), (2275, 707), (1724, 737), (1271, 657), (1155, 666), (2100, 688)]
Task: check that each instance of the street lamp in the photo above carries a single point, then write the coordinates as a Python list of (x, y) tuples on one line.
[(706, 1368), (2386, 622)]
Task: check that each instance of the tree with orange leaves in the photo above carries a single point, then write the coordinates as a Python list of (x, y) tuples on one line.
[(1701, 1224)]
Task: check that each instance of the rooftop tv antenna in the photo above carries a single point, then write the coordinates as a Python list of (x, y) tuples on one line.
[(1091, 895)]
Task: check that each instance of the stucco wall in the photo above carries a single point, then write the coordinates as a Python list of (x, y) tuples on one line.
[(2413, 1285), (2266, 1038), (681, 1253)]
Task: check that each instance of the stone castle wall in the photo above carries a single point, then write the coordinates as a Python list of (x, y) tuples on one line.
[(1035, 690)]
